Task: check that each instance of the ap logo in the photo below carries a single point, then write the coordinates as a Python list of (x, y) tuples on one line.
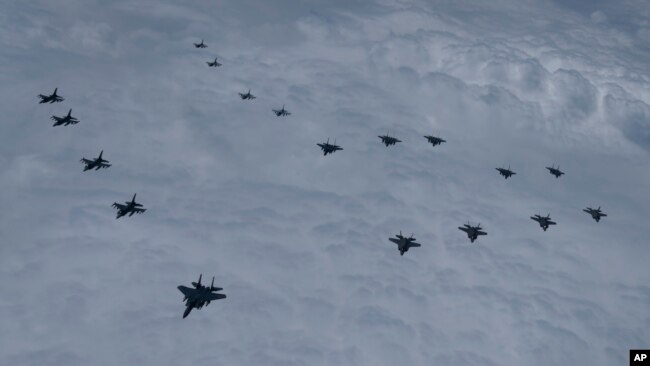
[(639, 357)]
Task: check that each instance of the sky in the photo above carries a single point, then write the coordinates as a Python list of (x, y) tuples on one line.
[(299, 241)]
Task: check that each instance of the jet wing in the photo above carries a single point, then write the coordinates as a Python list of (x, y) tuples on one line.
[(212, 296), (139, 210), (396, 241), (414, 244), (551, 222), (86, 161), (188, 292), (463, 229), (104, 165), (478, 232), (119, 206)]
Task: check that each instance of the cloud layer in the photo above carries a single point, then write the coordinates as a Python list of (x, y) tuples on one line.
[(298, 240)]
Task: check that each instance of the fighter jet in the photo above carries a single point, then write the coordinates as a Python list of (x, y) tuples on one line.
[(555, 171), (329, 148), (595, 213), (247, 95), (95, 163), (52, 98), (434, 140), (199, 295), (65, 120), (130, 208), (473, 232), (404, 243), (213, 64), (281, 112), (388, 140), (200, 45), (507, 173), (544, 222)]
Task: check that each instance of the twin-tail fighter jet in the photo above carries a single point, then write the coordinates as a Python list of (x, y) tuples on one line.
[(433, 140), (507, 173), (281, 112), (199, 296), (329, 148), (52, 98), (247, 95), (596, 214), (96, 164), (544, 221), (129, 208), (200, 45), (214, 63), (404, 243), (388, 140), (555, 171), (473, 232), (65, 120)]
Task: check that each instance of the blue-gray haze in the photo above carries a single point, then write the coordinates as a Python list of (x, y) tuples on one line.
[(300, 241)]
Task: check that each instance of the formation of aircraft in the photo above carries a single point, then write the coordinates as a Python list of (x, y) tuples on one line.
[(247, 95), (507, 173), (388, 140), (96, 164), (128, 208), (52, 98), (404, 243), (199, 296), (65, 120), (596, 214), (473, 232), (555, 171), (214, 63), (433, 140), (329, 148), (544, 221), (280, 112)]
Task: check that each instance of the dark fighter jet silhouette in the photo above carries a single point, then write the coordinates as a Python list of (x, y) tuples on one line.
[(65, 120), (52, 98), (129, 208), (95, 163), (329, 148), (199, 296)]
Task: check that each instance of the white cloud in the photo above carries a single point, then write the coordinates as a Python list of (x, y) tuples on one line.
[(598, 17), (298, 240)]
